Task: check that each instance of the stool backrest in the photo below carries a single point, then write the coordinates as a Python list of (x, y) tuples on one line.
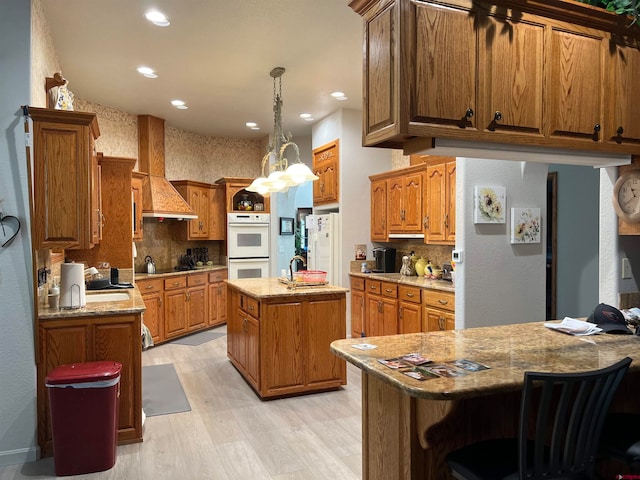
[(561, 419)]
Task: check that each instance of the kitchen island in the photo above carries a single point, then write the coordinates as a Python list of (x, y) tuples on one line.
[(278, 338), (410, 425)]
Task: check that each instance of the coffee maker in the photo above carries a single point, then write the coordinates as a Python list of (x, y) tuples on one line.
[(385, 260)]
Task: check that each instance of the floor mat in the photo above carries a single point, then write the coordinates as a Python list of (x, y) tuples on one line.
[(197, 338), (162, 392)]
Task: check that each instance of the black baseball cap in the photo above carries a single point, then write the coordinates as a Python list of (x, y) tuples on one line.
[(609, 319)]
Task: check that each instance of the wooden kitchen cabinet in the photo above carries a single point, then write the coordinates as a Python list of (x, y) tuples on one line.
[(88, 339), (217, 213), (280, 344), (440, 201), (410, 309), (66, 180), (358, 311), (622, 124), (197, 301), (381, 308), (197, 196), (379, 211), (217, 298), (137, 180), (326, 162), (234, 187), (152, 291), (404, 203), (495, 71), (175, 307), (439, 310)]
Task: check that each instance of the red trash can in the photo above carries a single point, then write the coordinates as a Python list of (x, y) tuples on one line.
[(83, 401)]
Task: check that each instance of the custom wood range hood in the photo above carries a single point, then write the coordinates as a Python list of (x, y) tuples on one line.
[(160, 199)]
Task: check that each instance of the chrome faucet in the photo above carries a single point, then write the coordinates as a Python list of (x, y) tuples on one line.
[(295, 257)]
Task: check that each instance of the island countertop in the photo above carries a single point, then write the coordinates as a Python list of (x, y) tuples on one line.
[(264, 288), (507, 350)]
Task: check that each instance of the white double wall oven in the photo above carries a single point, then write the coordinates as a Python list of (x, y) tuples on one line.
[(248, 245)]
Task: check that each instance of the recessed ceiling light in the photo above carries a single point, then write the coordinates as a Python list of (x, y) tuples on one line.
[(337, 94), (309, 119), (251, 124), (148, 72), (157, 18), (177, 103), (305, 115), (181, 107)]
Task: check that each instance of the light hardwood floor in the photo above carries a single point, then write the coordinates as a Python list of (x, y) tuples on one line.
[(230, 434)]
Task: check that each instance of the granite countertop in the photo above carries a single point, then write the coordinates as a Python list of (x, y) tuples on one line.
[(507, 350), (171, 273), (414, 281), (272, 287), (135, 304)]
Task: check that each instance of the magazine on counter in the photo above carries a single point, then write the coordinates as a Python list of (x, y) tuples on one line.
[(405, 361)]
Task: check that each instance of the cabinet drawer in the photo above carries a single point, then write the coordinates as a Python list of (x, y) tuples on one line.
[(150, 286), (389, 289), (250, 305), (440, 299), (409, 294), (198, 279), (217, 276), (357, 283), (373, 286), (173, 283)]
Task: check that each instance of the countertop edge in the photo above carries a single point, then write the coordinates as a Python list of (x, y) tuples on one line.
[(133, 306), (414, 281), (265, 288), (207, 269)]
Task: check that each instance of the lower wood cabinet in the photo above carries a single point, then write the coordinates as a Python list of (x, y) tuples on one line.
[(381, 308), (88, 339), (357, 307), (409, 309), (280, 345), (439, 308), (178, 305)]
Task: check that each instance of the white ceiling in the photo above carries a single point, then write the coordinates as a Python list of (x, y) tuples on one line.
[(216, 56)]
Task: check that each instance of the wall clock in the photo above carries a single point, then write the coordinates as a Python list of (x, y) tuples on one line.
[(626, 196)]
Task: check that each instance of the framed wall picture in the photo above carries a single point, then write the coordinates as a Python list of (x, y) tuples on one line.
[(286, 226), (525, 225), (489, 204)]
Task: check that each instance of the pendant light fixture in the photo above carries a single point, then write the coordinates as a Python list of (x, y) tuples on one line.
[(281, 174)]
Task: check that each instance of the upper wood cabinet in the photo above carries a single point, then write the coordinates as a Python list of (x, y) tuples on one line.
[(440, 201), (326, 164), (404, 203), (207, 201), (65, 179), (379, 210), (531, 73), (234, 187), (137, 180)]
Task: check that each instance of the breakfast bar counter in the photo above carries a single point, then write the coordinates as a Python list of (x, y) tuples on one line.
[(409, 425)]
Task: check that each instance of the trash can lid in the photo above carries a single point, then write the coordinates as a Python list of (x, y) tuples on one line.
[(83, 372)]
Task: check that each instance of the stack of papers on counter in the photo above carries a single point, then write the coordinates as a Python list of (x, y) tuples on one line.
[(573, 326)]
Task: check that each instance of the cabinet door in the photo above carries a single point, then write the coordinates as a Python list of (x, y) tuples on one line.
[(329, 183), (217, 213), (234, 325), (285, 358), (511, 60), (175, 312), (436, 201), (437, 320), (252, 333), (575, 84), (97, 216), (412, 204), (153, 316), (325, 166), (445, 66), (197, 301), (217, 303), (410, 318), (136, 199), (199, 201), (624, 104), (450, 202), (395, 192), (62, 179), (357, 314), (379, 211), (320, 365), (382, 316)]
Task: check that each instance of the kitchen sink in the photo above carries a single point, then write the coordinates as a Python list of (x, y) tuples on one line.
[(106, 297)]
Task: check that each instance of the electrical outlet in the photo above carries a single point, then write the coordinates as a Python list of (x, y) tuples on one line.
[(626, 268)]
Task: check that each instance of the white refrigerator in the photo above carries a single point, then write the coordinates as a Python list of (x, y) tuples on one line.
[(323, 252)]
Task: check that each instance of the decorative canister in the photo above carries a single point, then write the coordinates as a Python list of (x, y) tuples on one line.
[(421, 264), (406, 266)]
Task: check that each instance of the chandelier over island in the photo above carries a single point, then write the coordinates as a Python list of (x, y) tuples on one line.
[(281, 174)]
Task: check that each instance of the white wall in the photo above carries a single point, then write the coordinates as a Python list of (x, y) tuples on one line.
[(499, 283), (17, 362)]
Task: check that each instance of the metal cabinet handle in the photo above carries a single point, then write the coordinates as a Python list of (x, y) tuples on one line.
[(250, 307), (468, 113), (464, 121), (388, 290), (596, 132), (443, 302), (497, 116), (149, 287), (372, 287), (446, 220), (410, 295), (400, 313)]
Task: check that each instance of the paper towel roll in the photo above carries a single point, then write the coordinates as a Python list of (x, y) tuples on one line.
[(72, 294)]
